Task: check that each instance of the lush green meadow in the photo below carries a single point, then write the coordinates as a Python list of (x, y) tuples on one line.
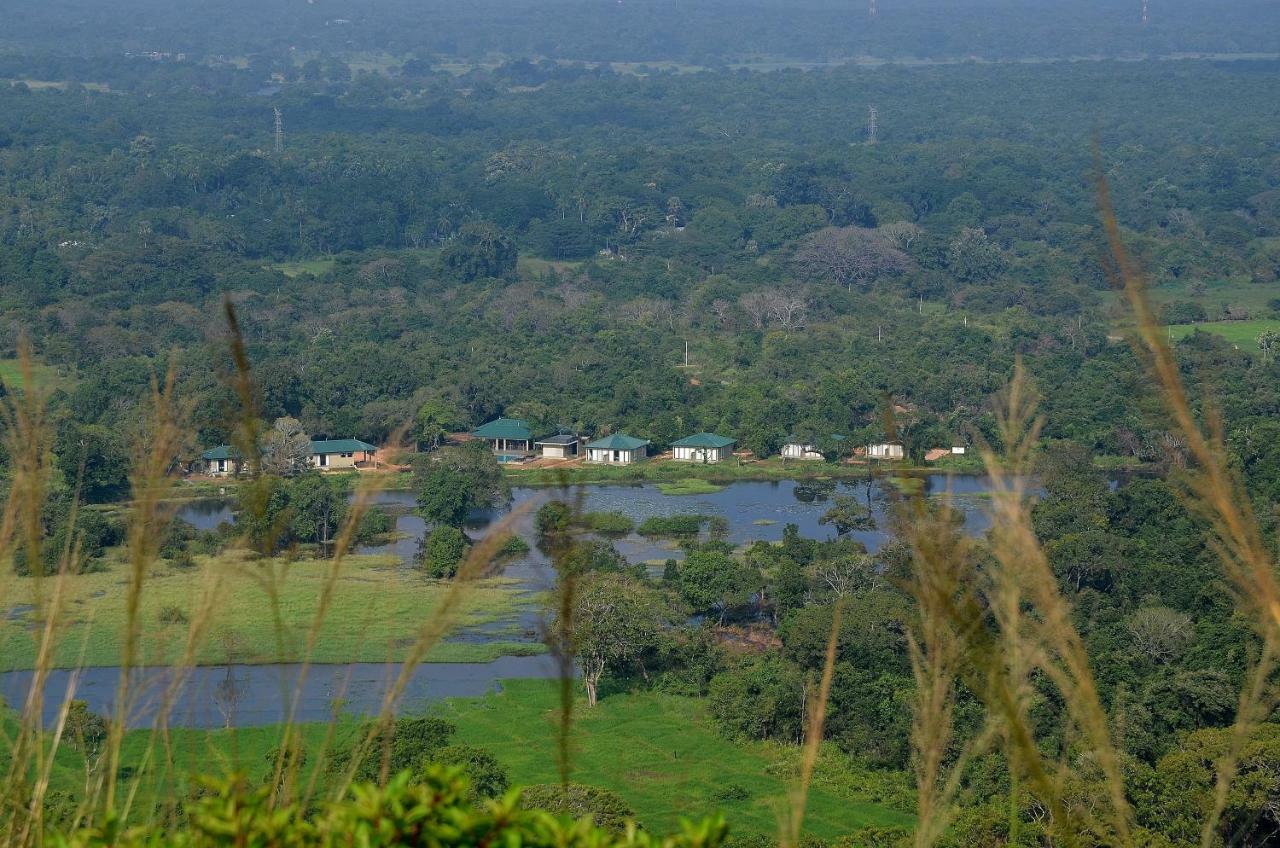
[(45, 376), (374, 615), (1243, 334), (660, 753)]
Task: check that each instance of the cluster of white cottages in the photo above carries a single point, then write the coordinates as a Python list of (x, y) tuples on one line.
[(513, 441)]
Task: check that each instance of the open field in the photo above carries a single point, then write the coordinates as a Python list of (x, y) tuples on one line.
[(1243, 334), (45, 376), (659, 752), (374, 615), (314, 267), (531, 267)]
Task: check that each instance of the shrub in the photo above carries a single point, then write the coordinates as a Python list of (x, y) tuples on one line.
[(374, 523), (730, 792), (552, 517), (437, 810), (608, 523), (172, 614), (607, 809), (513, 547), (672, 526), (441, 551), (486, 775)]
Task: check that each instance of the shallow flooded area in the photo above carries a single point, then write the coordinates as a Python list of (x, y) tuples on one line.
[(246, 695)]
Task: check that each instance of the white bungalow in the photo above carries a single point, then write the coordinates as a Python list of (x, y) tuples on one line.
[(703, 447), (800, 448), (886, 450), (618, 449), (559, 446), (509, 437)]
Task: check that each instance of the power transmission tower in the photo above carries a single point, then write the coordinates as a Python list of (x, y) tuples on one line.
[(873, 125), (279, 130)]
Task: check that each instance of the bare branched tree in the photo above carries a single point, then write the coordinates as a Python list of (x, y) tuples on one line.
[(850, 256)]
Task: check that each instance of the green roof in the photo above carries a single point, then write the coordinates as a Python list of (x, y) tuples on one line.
[(504, 428), (341, 446), (618, 441), (221, 452), (704, 440)]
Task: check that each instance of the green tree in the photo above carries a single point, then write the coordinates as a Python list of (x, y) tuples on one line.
[(615, 619), (93, 457), (848, 514), (318, 507), (712, 580), (441, 551)]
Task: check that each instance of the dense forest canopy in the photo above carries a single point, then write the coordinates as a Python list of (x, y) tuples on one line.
[(704, 32), (373, 257)]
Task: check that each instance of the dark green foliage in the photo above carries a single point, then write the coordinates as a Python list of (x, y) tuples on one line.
[(94, 460), (441, 552), (479, 250), (487, 778), (672, 526), (409, 744), (759, 699), (552, 517), (451, 483), (606, 809), (318, 505), (375, 523), (711, 580), (608, 523), (435, 808)]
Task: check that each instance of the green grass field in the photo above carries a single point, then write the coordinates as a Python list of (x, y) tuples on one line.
[(689, 486), (374, 615), (314, 267), (1243, 334), (45, 376), (659, 752)]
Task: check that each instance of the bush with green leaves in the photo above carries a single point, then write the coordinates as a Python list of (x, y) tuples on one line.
[(436, 810), (607, 810), (441, 551)]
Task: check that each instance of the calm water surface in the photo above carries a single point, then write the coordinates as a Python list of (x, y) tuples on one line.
[(247, 695)]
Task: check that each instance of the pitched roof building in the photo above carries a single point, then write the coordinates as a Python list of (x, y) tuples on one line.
[(617, 449), (703, 447)]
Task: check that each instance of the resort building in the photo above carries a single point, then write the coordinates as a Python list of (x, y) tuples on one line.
[(326, 454), (618, 449), (703, 447), (222, 461), (886, 450), (798, 448), (559, 446), (509, 437), (340, 454)]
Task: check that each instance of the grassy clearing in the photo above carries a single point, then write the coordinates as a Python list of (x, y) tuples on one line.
[(1240, 293), (533, 267), (374, 615), (1243, 334), (689, 486), (314, 267), (45, 376), (659, 752)]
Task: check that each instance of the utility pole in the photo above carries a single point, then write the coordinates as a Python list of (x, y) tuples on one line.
[(279, 130), (872, 10), (1145, 18), (873, 125)]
